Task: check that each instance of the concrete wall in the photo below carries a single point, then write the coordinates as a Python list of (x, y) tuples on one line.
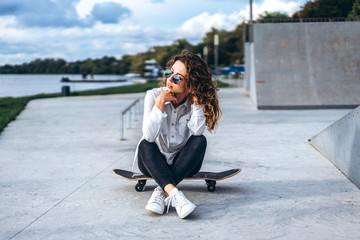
[(249, 83), (252, 80), (247, 66), (306, 65), (340, 143)]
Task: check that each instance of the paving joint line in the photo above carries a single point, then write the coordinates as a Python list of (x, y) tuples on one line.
[(62, 200)]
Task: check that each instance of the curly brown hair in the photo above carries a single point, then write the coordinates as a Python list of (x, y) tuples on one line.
[(201, 84)]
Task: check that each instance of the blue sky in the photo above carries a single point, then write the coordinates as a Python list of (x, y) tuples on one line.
[(80, 29)]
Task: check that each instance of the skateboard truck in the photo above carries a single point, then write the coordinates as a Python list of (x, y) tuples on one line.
[(210, 177), (211, 185)]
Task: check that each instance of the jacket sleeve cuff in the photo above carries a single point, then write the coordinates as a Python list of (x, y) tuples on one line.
[(197, 110), (157, 115)]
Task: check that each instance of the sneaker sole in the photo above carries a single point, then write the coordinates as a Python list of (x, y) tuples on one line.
[(153, 210), (188, 213)]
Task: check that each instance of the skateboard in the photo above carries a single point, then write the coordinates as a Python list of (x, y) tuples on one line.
[(209, 177)]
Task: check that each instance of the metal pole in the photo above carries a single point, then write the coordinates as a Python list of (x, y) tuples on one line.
[(138, 107), (133, 110), (251, 12), (216, 45), (244, 24), (136, 110), (251, 37), (129, 112), (205, 54), (122, 127), (134, 113)]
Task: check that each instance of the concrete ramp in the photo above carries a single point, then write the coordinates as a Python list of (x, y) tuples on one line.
[(306, 65), (340, 143)]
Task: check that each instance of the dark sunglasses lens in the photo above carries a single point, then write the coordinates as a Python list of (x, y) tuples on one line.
[(176, 79), (167, 73)]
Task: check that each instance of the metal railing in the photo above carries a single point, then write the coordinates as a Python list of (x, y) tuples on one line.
[(305, 20), (133, 111)]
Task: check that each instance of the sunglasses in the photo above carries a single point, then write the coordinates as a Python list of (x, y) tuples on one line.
[(176, 79)]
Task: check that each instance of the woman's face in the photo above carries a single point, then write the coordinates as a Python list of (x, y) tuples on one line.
[(178, 69)]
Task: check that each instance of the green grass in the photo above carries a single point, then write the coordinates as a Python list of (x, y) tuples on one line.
[(10, 107)]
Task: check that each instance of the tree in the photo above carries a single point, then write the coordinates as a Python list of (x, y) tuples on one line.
[(235, 45), (355, 12), (162, 54), (124, 64), (273, 16), (230, 52), (325, 9), (208, 41)]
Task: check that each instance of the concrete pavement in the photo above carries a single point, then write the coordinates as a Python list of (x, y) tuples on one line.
[(56, 180)]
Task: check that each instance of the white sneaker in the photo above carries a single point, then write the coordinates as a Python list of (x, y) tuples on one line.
[(156, 202), (178, 200)]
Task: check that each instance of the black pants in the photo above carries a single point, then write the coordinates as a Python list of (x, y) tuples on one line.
[(186, 163)]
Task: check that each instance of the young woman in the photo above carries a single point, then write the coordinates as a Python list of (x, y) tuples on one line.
[(175, 118)]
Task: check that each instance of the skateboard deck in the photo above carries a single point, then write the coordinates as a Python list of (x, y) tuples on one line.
[(209, 177)]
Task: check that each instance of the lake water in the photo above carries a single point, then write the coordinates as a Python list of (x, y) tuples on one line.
[(15, 85)]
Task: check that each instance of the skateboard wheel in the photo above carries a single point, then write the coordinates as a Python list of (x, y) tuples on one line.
[(211, 188), (140, 185), (211, 185)]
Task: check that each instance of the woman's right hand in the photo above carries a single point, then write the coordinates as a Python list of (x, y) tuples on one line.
[(166, 96)]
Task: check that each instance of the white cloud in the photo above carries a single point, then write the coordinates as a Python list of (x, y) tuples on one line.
[(8, 30), (18, 45), (195, 28), (62, 14), (276, 5), (150, 24)]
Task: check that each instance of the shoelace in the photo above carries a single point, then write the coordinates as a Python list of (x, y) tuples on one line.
[(158, 198), (168, 201), (178, 198)]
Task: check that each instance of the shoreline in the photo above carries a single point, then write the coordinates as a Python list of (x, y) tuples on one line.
[(11, 107)]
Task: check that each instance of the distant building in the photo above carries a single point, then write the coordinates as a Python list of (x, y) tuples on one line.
[(152, 69)]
